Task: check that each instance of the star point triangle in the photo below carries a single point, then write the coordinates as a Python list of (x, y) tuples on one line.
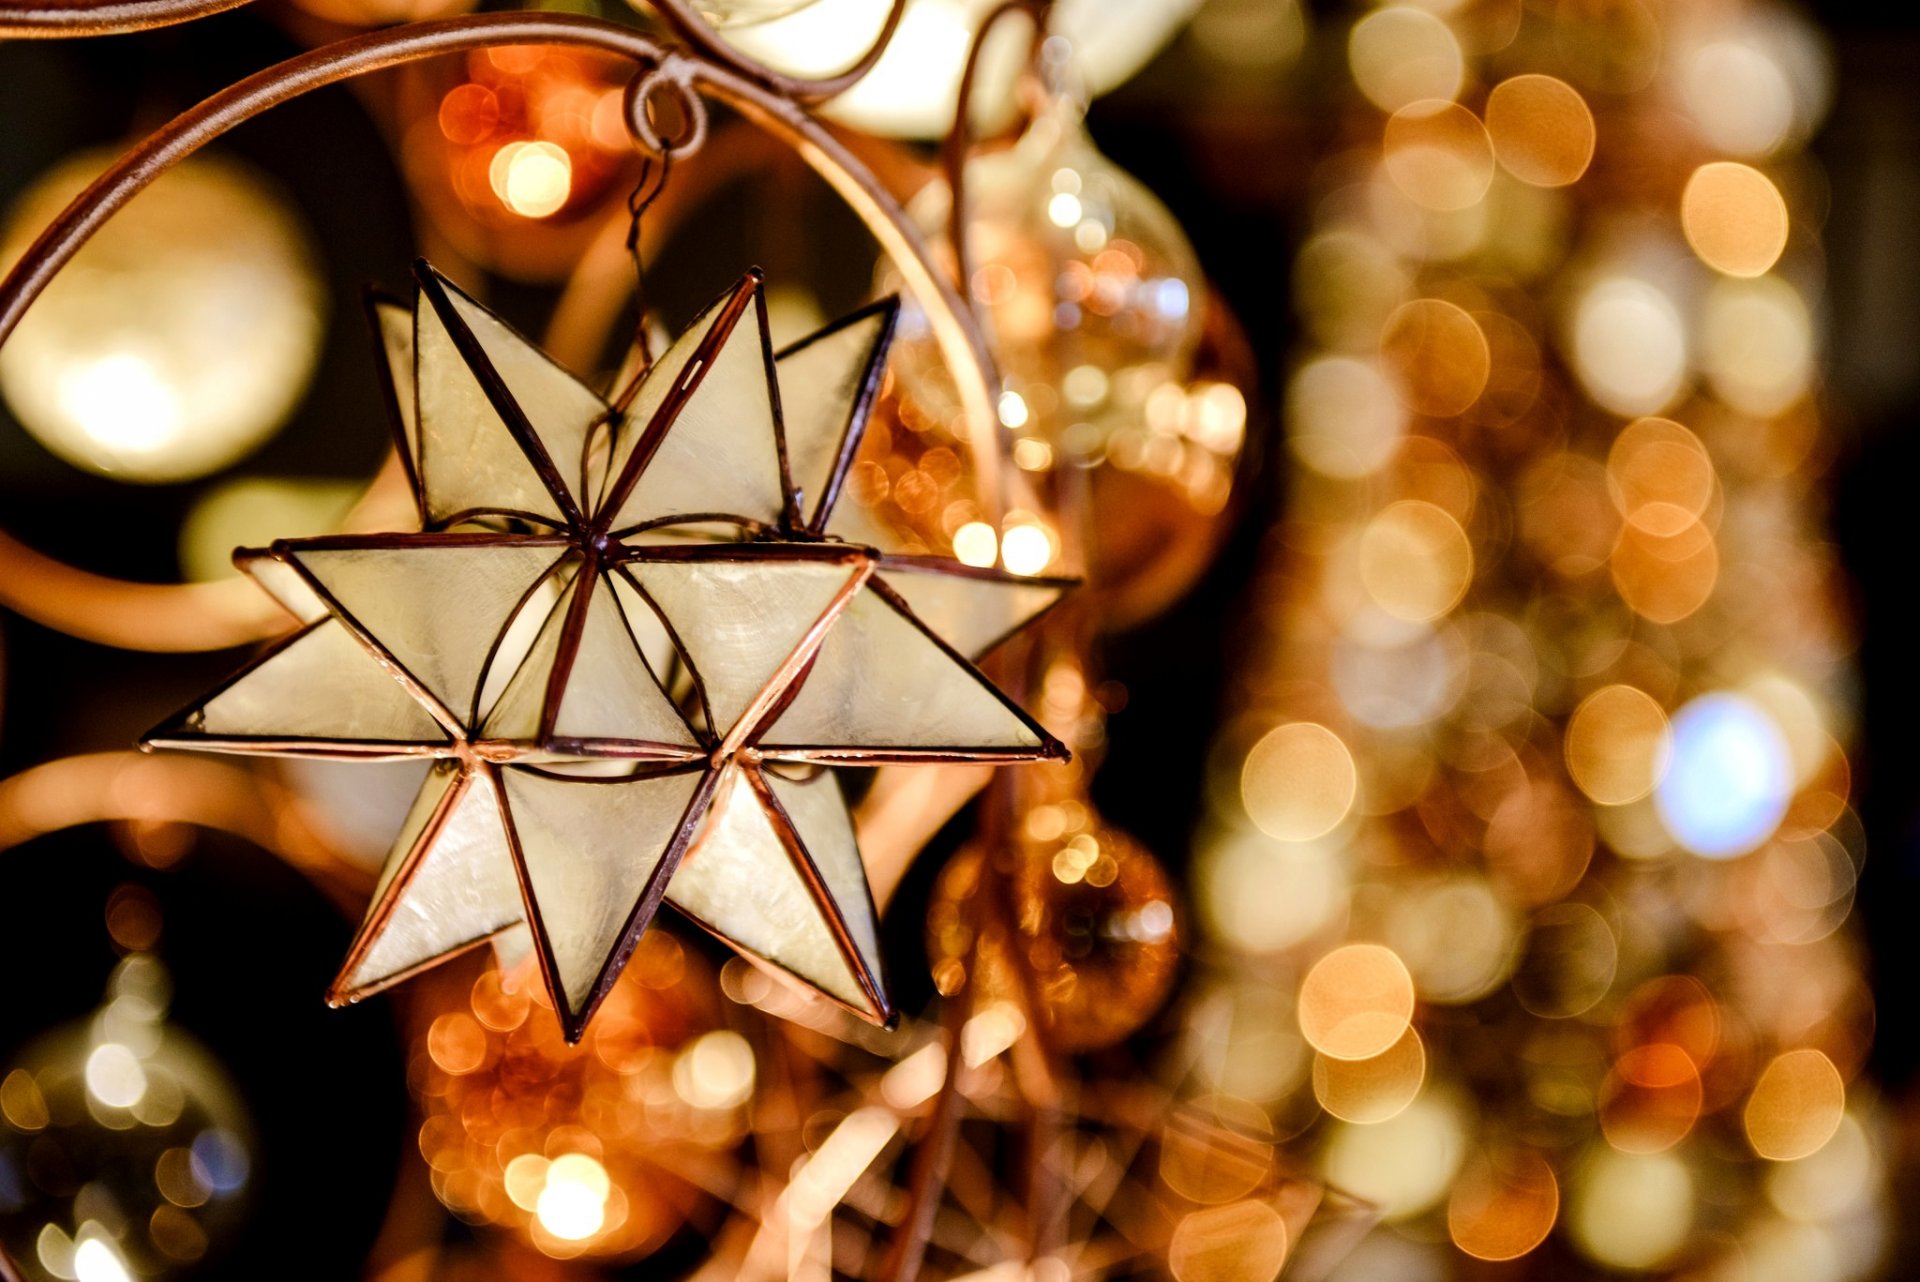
[(437, 608), (318, 693), (883, 688), (480, 449), (702, 437), (447, 885), (749, 881), (594, 856), (828, 382)]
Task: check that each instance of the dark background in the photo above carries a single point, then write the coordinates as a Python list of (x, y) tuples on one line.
[(252, 945)]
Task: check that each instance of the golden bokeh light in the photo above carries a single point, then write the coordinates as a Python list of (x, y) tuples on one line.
[(185, 332), (1438, 354), (1833, 1181), (1734, 217), (1542, 130), (1539, 842), (1757, 345), (1356, 1002), (1369, 1091), (1298, 782), (1616, 745), (1796, 1105), (1415, 561), (1405, 1164), (1343, 416), (1632, 1210), (1401, 55), (1660, 476), (1629, 346), (1665, 578), (1237, 873), (1241, 1242), (1740, 96), (1438, 154), (1456, 935), (533, 179), (1346, 283), (1651, 1099), (1503, 1205)]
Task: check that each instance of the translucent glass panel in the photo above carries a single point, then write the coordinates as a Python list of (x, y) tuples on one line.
[(740, 620), (740, 882), (449, 883), (651, 635), (283, 583), (590, 848), (437, 609), (323, 685), (879, 682), (826, 382), (818, 813), (395, 325), (971, 614), (558, 407), (607, 694), (721, 453)]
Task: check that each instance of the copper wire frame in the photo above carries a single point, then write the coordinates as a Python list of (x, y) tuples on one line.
[(586, 549)]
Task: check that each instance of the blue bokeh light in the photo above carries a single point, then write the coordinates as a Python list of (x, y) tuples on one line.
[(1729, 777)]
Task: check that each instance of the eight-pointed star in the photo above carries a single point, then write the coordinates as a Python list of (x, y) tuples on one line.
[(630, 638)]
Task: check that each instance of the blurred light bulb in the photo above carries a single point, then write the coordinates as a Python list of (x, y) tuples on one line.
[(911, 91), (743, 13), (180, 337), (1729, 779)]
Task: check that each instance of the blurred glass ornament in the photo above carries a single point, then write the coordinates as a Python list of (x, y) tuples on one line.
[(183, 333), (125, 1151), (604, 1149), (1090, 290), (912, 90), (1113, 354), (517, 152)]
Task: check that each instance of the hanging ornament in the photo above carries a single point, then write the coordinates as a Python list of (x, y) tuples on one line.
[(633, 645), (184, 336), (1117, 360), (1090, 291), (124, 1149)]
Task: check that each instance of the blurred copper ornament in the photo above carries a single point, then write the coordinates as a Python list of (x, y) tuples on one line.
[(1095, 921), (1093, 929)]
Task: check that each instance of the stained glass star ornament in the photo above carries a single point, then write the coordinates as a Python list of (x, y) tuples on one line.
[(634, 639)]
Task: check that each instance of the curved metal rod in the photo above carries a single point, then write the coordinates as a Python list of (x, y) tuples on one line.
[(955, 147), (56, 20), (962, 343), (103, 787), (687, 25)]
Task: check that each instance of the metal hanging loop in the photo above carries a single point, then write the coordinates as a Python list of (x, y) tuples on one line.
[(654, 91)]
